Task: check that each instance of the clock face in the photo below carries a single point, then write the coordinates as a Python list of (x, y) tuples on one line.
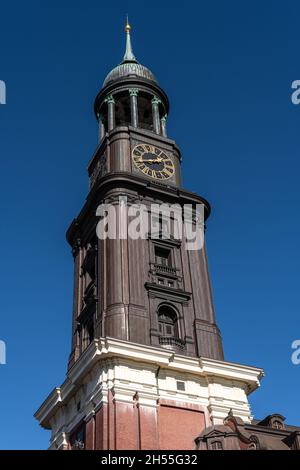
[(153, 161)]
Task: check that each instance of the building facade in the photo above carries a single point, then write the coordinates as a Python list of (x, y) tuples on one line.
[(146, 369)]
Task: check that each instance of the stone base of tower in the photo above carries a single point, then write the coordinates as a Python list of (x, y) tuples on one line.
[(121, 395)]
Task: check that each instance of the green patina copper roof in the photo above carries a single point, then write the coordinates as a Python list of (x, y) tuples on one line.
[(129, 67)]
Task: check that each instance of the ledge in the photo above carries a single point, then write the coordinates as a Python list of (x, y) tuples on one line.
[(109, 348)]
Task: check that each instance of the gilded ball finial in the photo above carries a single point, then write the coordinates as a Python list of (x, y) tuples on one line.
[(127, 27)]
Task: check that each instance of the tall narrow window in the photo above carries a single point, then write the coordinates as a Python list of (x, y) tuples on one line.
[(87, 333), (162, 256), (123, 116), (167, 322), (145, 111), (89, 274)]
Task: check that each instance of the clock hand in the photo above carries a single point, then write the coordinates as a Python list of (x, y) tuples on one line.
[(150, 160)]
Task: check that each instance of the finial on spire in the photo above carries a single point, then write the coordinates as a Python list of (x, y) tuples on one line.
[(129, 56), (127, 27)]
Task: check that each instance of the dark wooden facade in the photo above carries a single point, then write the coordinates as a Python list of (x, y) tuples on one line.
[(119, 285)]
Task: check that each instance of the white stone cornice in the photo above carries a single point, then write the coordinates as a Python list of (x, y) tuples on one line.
[(250, 375), (146, 399), (219, 412), (107, 360), (137, 352), (53, 402), (122, 394)]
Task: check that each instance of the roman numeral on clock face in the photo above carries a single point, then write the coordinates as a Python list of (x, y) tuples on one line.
[(153, 162), (150, 172)]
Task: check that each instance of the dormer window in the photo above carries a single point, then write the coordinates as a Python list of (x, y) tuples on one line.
[(277, 424), (216, 445), (275, 421)]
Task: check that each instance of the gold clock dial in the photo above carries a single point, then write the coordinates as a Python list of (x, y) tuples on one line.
[(153, 161)]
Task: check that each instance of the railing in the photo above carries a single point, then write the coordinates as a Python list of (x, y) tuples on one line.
[(172, 342), (141, 125), (165, 269), (145, 125)]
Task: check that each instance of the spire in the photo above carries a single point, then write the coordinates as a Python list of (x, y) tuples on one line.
[(129, 56)]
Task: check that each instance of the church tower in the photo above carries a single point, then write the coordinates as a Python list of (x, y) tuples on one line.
[(146, 369), (151, 291)]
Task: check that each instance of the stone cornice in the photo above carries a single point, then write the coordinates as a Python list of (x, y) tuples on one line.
[(114, 349), (168, 292), (125, 180)]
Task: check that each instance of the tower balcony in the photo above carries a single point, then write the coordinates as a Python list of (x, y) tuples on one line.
[(172, 343), (164, 269)]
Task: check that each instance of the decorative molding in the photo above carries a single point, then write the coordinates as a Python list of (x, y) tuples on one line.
[(145, 374), (167, 293), (109, 99), (157, 238), (156, 101), (133, 91)]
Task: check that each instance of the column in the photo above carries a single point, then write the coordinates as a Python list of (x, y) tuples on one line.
[(111, 112), (155, 112), (101, 129), (133, 92), (147, 420), (163, 123), (125, 421)]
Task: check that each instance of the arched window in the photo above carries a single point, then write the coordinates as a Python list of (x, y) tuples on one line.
[(145, 111), (122, 109), (277, 424), (167, 322)]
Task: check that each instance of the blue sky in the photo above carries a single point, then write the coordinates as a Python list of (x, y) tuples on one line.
[(227, 68)]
